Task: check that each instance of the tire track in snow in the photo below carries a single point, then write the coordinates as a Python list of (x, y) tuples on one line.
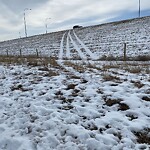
[(93, 56), (67, 47), (81, 54), (61, 47)]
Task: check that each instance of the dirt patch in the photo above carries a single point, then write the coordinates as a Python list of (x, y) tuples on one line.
[(59, 93), (137, 84), (50, 73), (143, 137), (84, 81), (131, 116), (100, 91), (123, 107), (111, 102), (118, 135), (109, 77), (20, 88), (43, 69), (146, 98), (70, 86), (67, 107)]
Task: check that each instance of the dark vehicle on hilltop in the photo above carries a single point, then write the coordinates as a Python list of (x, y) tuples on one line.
[(77, 26)]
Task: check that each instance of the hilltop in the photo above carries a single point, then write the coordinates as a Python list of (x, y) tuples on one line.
[(93, 42)]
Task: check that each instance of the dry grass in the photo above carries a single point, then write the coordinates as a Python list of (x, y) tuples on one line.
[(110, 66), (77, 67), (135, 70), (142, 58), (31, 60), (121, 58), (137, 84), (109, 77), (143, 136)]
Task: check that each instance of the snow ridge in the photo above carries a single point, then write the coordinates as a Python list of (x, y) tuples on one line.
[(67, 47), (77, 48), (61, 47)]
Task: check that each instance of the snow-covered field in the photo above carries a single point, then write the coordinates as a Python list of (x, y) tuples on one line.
[(77, 105), (100, 40), (84, 105)]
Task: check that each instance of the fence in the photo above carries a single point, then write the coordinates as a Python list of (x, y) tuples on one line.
[(107, 51)]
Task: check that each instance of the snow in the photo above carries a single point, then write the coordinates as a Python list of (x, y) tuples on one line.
[(61, 47), (39, 112), (77, 48), (84, 46)]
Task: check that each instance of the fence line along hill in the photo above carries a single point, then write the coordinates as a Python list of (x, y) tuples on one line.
[(93, 42)]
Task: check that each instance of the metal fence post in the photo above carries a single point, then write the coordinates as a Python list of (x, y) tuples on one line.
[(37, 53), (20, 53), (7, 53), (125, 48)]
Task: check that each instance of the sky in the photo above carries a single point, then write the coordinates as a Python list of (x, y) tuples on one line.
[(63, 14)]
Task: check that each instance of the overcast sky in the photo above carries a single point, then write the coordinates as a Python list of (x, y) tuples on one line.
[(63, 13)]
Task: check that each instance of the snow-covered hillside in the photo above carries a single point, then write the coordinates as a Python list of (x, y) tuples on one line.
[(88, 42)]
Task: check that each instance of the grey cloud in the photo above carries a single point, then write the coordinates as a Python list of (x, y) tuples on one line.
[(64, 14), (19, 5)]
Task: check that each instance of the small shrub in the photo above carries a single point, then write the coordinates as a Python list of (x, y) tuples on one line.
[(134, 69)]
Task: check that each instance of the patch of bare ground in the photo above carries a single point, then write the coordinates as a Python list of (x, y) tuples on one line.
[(17, 87), (46, 72), (83, 81), (143, 137), (123, 107), (118, 134), (90, 127), (92, 66), (74, 77), (134, 70), (36, 80), (109, 77), (137, 84), (77, 67), (51, 73), (110, 102), (110, 66), (100, 91), (146, 98), (131, 116), (20, 88), (71, 86), (68, 107), (107, 128)]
